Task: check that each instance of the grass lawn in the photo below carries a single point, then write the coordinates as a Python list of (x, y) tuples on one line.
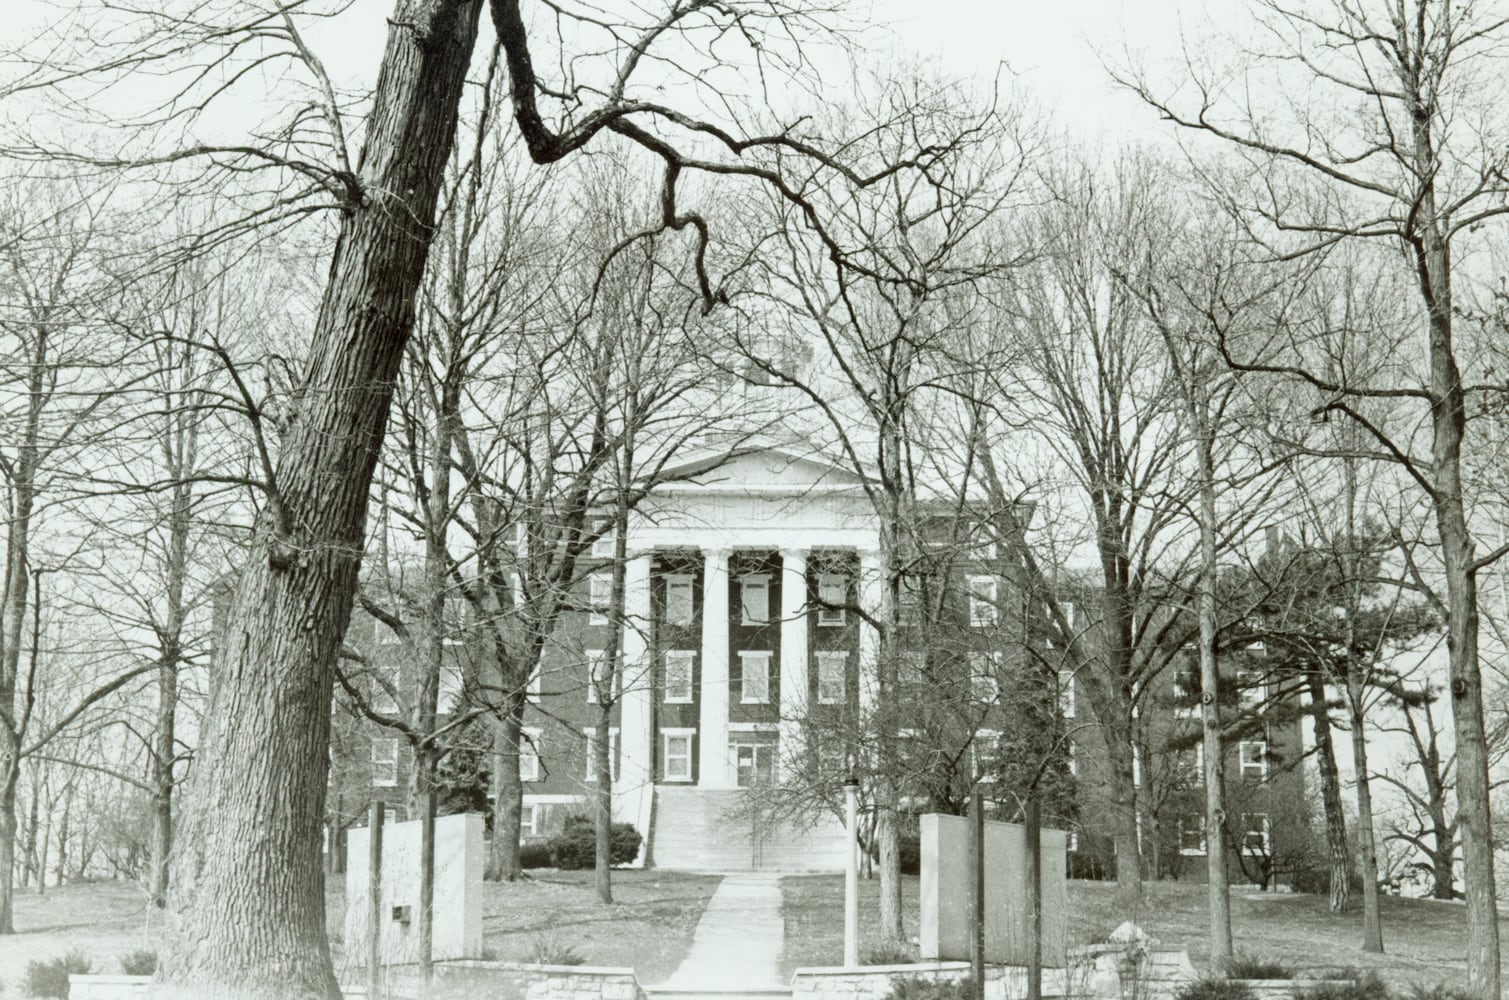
[(648, 928), (1425, 939)]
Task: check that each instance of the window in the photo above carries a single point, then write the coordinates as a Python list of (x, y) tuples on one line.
[(982, 601), (536, 684), (385, 690), (1071, 840), (384, 762), (529, 821), (529, 754), (987, 751), (754, 599), (515, 589), (1192, 834), (599, 597), (754, 674), (602, 546), (913, 667), (678, 754), (1256, 834), (1254, 757), (449, 691), (984, 683), (596, 671), (1073, 751), (1066, 693), (678, 599), (985, 540), (832, 589), (1252, 686), (1187, 685), (1189, 764), (831, 668), (591, 733), (1136, 765), (678, 676)]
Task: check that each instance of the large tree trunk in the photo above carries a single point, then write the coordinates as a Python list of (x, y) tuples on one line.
[(248, 913), (1218, 891), (1337, 848)]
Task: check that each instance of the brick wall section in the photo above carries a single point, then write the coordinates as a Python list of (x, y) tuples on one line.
[(535, 982)]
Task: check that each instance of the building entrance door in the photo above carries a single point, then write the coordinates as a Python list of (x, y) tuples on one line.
[(754, 764)]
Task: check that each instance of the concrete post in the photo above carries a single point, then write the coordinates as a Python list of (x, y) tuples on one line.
[(712, 732)]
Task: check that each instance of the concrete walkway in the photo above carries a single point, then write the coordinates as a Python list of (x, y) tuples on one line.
[(737, 944)]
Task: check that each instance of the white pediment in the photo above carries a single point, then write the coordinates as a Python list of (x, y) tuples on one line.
[(759, 469)]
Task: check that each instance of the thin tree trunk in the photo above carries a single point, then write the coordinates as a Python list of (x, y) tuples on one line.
[(1372, 923), (1337, 848), (508, 798), (248, 913), (1219, 892)]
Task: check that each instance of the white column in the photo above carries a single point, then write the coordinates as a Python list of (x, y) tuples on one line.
[(712, 731), (794, 669), (871, 598), (636, 733)]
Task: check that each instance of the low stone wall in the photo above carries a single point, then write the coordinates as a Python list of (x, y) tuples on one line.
[(871, 982), (107, 987), (535, 982)]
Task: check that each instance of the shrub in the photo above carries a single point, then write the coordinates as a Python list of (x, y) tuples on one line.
[(1252, 967), (549, 948), (1369, 987), (50, 979), (918, 988), (1083, 865), (535, 854), (1214, 989), (889, 953), (142, 962), (1420, 992), (575, 847)]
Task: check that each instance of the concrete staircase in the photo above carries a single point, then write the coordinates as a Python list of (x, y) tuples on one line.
[(713, 829)]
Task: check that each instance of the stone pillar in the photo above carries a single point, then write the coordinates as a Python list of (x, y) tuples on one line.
[(636, 725), (712, 731), (872, 598), (793, 659)]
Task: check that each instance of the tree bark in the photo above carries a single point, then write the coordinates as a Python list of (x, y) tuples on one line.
[(248, 914), (508, 796), (1338, 850), (1218, 891), (1372, 923)]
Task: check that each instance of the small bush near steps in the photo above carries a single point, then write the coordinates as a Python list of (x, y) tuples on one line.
[(1214, 989), (919, 988), (575, 847), (549, 948), (50, 979), (889, 953), (1253, 967), (142, 962)]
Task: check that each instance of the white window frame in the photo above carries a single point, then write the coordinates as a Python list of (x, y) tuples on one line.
[(680, 695), (1199, 764), (384, 761), (1253, 685), (529, 821), (448, 689), (1136, 765), (1185, 711), (1183, 828), (383, 635), (983, 595), (985, 668), (1066, 694), (754, 663), (599, 598), (602, 546), (827, 584), (751, 584), (827, 659), (535, 689), (990, 737), (594, 658), (516, 589), (1073, 758), (1266, 831), (673, 582), (666, 736), (530, 738), (590, 732), (1253, 767)]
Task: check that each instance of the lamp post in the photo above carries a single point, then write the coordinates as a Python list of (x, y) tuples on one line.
[(851, 873)]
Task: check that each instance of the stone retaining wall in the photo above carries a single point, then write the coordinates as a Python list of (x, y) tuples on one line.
[(536, 982), (1287, 989), (107, 987), (871, 982)]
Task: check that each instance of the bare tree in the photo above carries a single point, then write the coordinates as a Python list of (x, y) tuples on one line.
[(1384, 156)]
